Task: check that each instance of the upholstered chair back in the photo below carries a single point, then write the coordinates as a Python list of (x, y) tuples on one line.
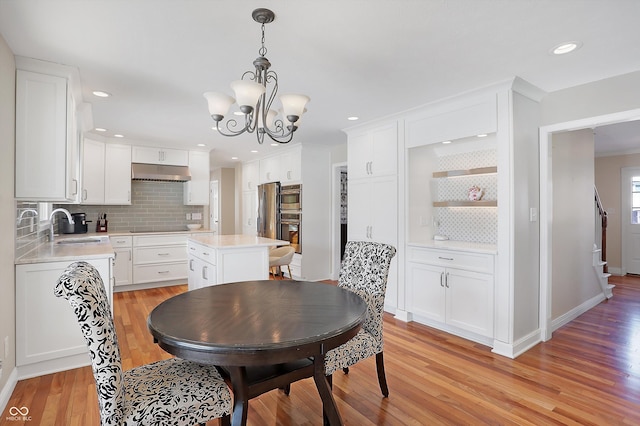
[(82, 286), (365, 268)]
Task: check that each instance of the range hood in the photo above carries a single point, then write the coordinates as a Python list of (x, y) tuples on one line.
[(160, 172)]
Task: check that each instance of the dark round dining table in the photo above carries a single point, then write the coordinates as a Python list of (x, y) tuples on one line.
[(263, 334)]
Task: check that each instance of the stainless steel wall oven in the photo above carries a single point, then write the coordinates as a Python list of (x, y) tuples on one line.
[(291, 197), (290, 229)]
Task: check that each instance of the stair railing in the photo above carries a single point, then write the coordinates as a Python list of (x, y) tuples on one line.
[(603, 227)]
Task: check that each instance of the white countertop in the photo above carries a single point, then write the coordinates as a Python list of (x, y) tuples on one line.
[(57, 252), (236, 241), (457, 245)]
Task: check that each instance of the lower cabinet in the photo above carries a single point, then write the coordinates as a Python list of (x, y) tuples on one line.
[(202, 266), (123, 262), (48, 337), (158, 258), (452, 290)]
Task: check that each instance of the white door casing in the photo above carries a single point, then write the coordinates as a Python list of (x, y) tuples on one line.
[(214, 206), (630, 230)]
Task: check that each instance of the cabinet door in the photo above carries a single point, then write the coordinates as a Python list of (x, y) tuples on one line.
[(250, 175), (175, 157), (193, 273), (123, 267), (384, 150), (270, 169), (290, 165), (196, 191), (470, 301), (427, 291), (359, 209), (92, 172), (384, 210), (359, 155), (249, 212), (41, 137), (151, 155), (117, 174)]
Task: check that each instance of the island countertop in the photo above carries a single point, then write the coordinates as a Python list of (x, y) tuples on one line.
[(235, 241)]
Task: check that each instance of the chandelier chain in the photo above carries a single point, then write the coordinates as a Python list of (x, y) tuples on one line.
[(263, 50)]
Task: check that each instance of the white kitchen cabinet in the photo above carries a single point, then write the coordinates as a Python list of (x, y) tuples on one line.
[(202, 266), (373, 152), (48, 337), (152, 155), (123, 263), (270, 169), (249, 212), (372, 213), (159, 258), (452, 290), (93, 182), (291, 165), (250, 175), (196, 191), (117, 174), (46, 138)]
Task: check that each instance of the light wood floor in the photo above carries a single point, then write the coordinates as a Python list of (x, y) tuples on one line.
[(588, 374)]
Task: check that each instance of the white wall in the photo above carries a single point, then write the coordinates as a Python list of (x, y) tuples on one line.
[(7, 214), (573, 276)]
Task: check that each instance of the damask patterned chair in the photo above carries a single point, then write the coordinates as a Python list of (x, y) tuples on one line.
[(364, 271), (169, 392)]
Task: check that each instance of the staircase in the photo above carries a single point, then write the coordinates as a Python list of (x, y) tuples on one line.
[(600, 253)]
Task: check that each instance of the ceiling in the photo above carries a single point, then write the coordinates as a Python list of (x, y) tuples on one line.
[(365, 58)]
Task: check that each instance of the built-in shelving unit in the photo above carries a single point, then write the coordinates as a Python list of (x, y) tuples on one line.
[(466, 172)]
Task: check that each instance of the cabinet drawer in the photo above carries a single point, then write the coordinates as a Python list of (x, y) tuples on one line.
[(159, 240), (202, 252), (143, 255), (121, 241), (452, 258), (160, 272)]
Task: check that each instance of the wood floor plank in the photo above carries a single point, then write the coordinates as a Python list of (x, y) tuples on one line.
[(587, 374)]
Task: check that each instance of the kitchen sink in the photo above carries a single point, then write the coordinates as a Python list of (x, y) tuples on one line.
[(85, 240)]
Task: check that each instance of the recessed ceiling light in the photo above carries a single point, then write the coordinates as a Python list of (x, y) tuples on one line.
[(446, 142), (101, 94), (201, 144), (275, 144), (352, 118), (566, 47), (482, 135), (118, 136), (238, 113), (254, 151), (234, 158), (100, 129)]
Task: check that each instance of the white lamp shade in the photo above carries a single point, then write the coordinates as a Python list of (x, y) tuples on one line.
[(219, 103), (271, 116), (293, 104), (247, 92)]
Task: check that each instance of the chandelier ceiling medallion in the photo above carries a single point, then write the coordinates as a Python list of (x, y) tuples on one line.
[(254, 94)]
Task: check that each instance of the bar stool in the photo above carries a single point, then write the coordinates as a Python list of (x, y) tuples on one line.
[(279, 257)]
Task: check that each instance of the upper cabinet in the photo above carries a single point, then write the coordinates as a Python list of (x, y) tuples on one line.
[(47, 140), (284, 167), (106, 173), (250, 175), (151, 155), (373, 152), (196, 191)]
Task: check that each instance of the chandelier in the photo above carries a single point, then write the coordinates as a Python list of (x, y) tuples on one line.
[(254, 94)]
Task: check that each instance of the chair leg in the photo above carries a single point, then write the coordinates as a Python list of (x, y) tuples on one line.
[(346, 370), (226, 420), (382, 379), (290, 276)]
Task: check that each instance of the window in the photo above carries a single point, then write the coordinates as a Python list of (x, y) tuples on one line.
[(635, 200)]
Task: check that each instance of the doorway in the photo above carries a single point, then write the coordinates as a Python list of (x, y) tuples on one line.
[(630, 219), (339, 216)]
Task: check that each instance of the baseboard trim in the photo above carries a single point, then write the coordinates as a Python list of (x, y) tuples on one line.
[(7, 389), (576, 312)]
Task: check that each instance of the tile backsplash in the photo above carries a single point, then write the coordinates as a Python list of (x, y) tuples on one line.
[(27, 236), (155, 206)]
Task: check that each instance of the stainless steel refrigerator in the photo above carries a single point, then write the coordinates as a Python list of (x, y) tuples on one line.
[(269, 210)]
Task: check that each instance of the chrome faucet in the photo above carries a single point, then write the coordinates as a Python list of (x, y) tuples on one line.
[(25, 211), (71, 222)]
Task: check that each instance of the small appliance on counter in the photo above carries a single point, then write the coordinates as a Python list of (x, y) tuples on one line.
[(101, 224), (79, 226)]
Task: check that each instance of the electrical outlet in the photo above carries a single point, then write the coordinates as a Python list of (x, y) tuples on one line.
[(188, 216), (196, 216)]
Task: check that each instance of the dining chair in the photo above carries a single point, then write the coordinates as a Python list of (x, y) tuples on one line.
[(364, 271), (281, 256), (167, 392)]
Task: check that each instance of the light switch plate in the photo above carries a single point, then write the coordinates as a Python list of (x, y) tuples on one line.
[(533, 214)]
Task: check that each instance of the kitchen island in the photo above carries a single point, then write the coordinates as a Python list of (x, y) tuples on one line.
[(220, 259)]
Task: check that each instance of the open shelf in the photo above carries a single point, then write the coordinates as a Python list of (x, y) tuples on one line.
[(481, 203), (477, 171)]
